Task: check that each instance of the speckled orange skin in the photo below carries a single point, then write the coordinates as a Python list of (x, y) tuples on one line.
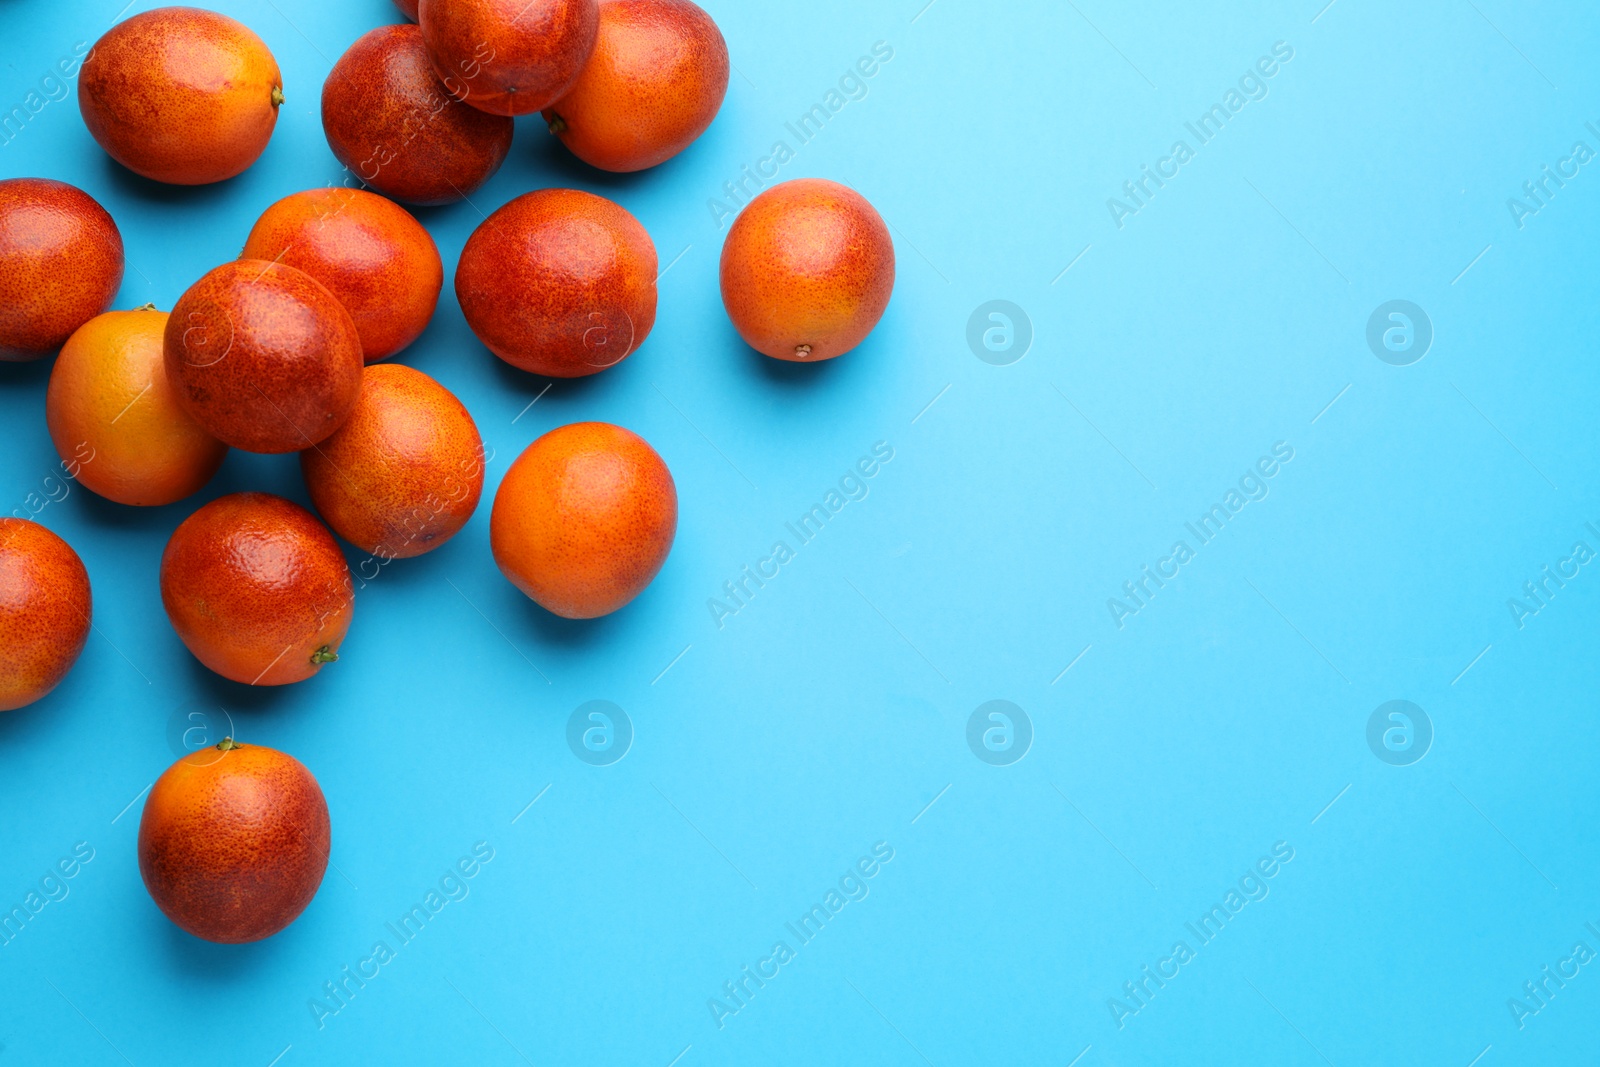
[(509, 57), (367, 250), (116, 420), (257, 589), (234, 843), (405, 473), (392, 124), (807, 270), (654, 83), (559, 282), (45, 607), (60, 265), (263, 357), (181, 95), (408, 8), (584, 519)]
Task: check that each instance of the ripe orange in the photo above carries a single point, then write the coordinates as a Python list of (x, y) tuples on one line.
[(584, 519), (263, 356), (181, 95), (113, 414), (807, 270), (508, 57), (45, 608), (392, 124), (367, 250), (61, 264), (654, 83), (405, 473), (257, 589), (234, 842), (559, 282)]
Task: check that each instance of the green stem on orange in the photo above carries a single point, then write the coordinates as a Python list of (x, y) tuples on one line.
[(558, 124), (146, 307), (325, 654), (277, 96), (227, 744)]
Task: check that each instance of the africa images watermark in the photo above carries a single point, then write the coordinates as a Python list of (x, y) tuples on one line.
[(1252, 85), (453, 887), (852, 886), (1537, 593), (852, 85), (1538, 192), (1253, 486), (1251, 888), (52, 888), (852, 486), (54, 86), (1537, 993)]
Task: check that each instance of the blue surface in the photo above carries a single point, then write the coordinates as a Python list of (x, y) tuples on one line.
[(1227, 717)]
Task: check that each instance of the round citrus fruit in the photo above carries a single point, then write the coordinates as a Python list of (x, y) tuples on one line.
[(60, 265), (234, 842), (654, 83), (367, 250), (181, 95), (115, 418), (559, 282), (405, 472), (393, 125), (263, 356), (807, 270), (257, 589), (45, 608), (584, 519), (508, 57)]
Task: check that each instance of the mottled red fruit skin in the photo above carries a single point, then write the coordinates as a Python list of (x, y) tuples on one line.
[(404, 473), (807, 270), (264, 357), (234, 842), (257, 589), (367, 250), (45, 608), (656, 80), (60, 265), (584, 519), (392, 124), (509, 57), (181, 95), (408, 8), (559, 282)]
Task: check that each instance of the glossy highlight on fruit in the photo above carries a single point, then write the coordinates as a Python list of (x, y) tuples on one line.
[(45, 609), (234, 841), (367, 250), (559, 282), (405, 472), (584, 519), (61, 264), (656, 80), (264, 357), (393, 125), (181, 95), (116, 420), (509, 57), (257, 589), (807, 270)]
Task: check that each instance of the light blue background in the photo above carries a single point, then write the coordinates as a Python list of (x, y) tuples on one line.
[(829, 713)]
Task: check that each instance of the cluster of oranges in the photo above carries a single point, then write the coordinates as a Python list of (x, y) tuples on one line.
[(278, 352)]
